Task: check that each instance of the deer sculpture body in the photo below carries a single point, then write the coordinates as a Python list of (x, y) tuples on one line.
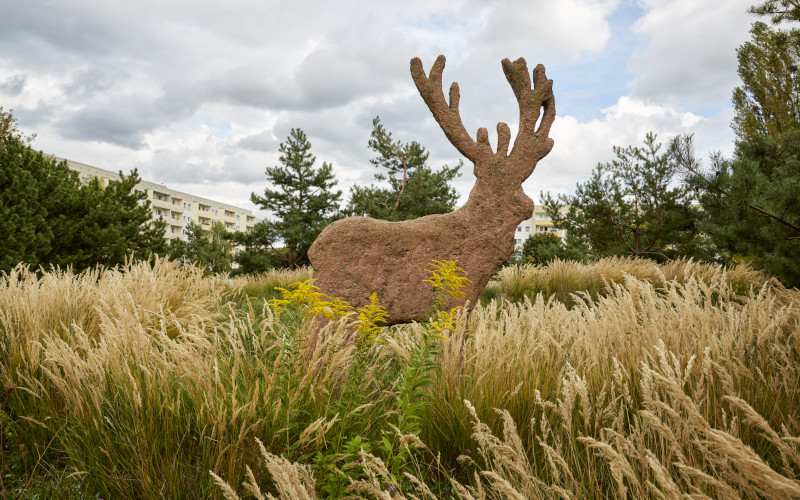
[(356, 256)]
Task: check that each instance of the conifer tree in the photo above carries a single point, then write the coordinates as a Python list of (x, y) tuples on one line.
[(257, 250), (48, 218), (751, 205), (212, 250), (414, 190), (630, 206), (302, 201), (542, 248), (28, 182), (768, 101)]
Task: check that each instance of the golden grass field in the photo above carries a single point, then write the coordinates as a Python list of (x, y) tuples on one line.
[(616, 379)]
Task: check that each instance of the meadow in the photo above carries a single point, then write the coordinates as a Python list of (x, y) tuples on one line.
[(616, 379)]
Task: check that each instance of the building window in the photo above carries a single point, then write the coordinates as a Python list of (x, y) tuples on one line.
[(519, 229), (527, 229)]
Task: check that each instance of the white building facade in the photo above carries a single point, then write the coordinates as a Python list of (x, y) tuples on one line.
[(175, 208), (539, 222)]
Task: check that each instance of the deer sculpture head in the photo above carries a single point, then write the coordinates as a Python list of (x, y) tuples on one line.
[(499, 174), (354, 257)]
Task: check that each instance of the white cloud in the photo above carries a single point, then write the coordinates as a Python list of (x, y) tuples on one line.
[(538, 29), (691, 55), (580, 146)]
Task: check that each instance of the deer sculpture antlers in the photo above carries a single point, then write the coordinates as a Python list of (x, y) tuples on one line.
[(354, 257)]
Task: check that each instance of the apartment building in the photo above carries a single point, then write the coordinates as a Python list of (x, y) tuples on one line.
[(539, 222), (177, 208)]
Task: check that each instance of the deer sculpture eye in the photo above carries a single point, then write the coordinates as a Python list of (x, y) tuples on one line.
[(354, 257)]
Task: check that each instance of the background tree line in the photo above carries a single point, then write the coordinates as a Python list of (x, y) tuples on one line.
[(660, 201), (303, 200), (49, 217)]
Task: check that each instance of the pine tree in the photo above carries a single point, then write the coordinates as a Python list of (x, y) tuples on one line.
[(29, 182), (212, 250), (768, 101), (779, 10), (541, 248), (106, 225), (303, 201), (257, 252), (415, 190), (631, 207), (48, 218), (751, 204)]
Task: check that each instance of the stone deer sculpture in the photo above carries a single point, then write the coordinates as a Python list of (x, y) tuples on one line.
[(356, 256)]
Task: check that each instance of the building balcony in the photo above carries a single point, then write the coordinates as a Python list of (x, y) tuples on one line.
[(161, 204)]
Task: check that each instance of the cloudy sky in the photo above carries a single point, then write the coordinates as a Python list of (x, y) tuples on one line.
[(198, 95)]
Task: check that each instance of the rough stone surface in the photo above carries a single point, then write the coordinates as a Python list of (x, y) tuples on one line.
[(354, 257)]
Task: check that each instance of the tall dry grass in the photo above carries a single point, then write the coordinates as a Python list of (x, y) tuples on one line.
[(262, 285), (562, 279), (679, 381), (142, 379), (682, 388)]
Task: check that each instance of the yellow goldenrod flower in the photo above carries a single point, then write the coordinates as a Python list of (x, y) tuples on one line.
[(446, 277), (306, 294), (368, 318)]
